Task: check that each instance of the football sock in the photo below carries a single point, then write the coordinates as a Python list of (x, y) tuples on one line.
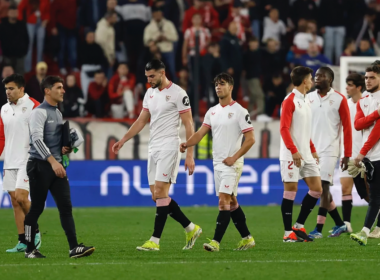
[(238, 218), (21, 238), (366, 230), (347, 207), (308, 203), (162, 211), (287, 209), (155, 240), (321, 219), (336, 217), (372, 212), (222, 223), (176, 213)]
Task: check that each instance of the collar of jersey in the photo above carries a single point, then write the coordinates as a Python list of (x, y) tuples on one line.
[(377, 94), (168, 86), (231, 103), (20, 100), (298, 93), (331, 91), (47, 104)]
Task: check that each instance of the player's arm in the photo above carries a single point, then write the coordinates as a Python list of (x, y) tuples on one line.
[(362, 121), (373, 138), (314, 151), (136, 127), (2, 136), (247, 144), (344, 113), (195, 138), (187, 120)]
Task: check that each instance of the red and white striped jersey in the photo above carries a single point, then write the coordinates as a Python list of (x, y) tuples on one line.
[(295, 127), (204, 38), (165, 107), (228, 124), (14, 131), (329, 114)]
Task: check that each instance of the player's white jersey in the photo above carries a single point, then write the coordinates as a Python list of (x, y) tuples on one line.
[(14, 128), (165, 107), (228, 124), (356, 135)]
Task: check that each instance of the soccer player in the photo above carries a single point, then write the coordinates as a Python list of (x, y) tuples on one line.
[(298, 157), (367, 120), (14, 141), (329, 113), (229, 122), (166, 105), (355, 85), (46, 172)]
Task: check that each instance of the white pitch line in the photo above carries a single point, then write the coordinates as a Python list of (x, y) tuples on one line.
[(190, 262)]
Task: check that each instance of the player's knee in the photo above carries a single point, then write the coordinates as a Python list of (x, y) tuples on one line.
[(21, 200), (346, 190), (153, 198)]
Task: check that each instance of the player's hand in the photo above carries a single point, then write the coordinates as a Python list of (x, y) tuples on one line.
[(358, 159), (117, 146), (315, 155), (297, 159), (190, 164), (344, 164), (229, 161), (66, 150), (58, 169), (183, 147)]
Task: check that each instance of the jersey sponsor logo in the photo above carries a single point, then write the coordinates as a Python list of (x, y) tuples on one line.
[(311, 101), (51, 121), (164, 174), (226, 186), (331, 102), (329, 175), (185, 101), (290, 174), (212, 113), (230, 115), (168, 97), (151, 96), (24, 109), (248, 119), (6, 111), (365, 106), (26, 181)]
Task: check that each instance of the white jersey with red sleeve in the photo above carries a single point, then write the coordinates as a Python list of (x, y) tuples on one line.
[(14, 131), (329, 114), (228, 124), (165, 107), (295, 127)]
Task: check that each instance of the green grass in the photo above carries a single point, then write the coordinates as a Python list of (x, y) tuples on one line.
[(115, 232)]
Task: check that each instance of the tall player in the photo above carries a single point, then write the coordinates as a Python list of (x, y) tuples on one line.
[(166, 105), (14, 141), (367, 120), (229, 122), (298, 156), (330, 112), (355, 85)]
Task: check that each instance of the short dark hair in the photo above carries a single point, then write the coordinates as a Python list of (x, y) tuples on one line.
[(373, 68), (356, 79), (329, 71), (348, 41), (253, 39), (376, 62), (49, 81), (15, 78), (99, 72), (154, 64), (299, 74), (224, 77), (13, 6), (109, 14)]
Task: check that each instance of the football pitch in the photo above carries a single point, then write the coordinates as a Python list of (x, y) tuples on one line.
[(115, 232)]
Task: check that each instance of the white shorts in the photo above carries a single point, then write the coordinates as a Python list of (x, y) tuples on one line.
[(291, 173), (15, 179), (328, 165), (163, 166), (344, 174), (227, 179)]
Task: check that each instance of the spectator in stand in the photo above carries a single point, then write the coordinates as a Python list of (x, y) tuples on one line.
[(36, 13), (275, 91), (136, 15), (273, 59), (105, 37), (212, 66), (365, 48), (273, 27), (90, 12), (92, 59), (73, 98), (174, 11), (120, 51), (232, 56), (332, 19), (183, 80), (222, 7), (6, 72), (97, 95), (63, 21), (164, 34), (313, 58), (302, 39), (14, 40), (4, 6), (252, 70), (280, 5), (306, 9), (255, 17), (33, 86), (120, 91), (210, 17), (242, 22), (349, 48)]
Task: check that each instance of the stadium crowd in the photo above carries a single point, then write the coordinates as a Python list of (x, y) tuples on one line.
[(100, 47)]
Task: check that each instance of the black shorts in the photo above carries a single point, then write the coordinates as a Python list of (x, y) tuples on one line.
[(361, 187)]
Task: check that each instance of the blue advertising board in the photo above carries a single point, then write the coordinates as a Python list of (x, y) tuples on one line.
[(125, 183)]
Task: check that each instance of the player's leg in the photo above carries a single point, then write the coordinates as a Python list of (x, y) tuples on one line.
[(347, 185), (19, 219)]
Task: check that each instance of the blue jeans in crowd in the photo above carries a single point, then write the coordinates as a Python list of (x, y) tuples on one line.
[(334, 41), (68, 41), (39, 30), (169, 58), (255, 26)]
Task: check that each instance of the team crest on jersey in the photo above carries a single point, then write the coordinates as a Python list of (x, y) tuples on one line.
[(311, 101), (168, 97), (230, 115), (290, 174), (24, 109), (299, 104), (331, 102)]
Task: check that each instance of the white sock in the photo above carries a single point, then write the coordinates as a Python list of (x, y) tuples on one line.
[(155, 240), (190, 227), (215, 241), (366, 230), (297, 225), (247, 237), (288, 232)]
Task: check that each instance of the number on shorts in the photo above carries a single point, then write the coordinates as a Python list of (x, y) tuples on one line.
[(290, 165)]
